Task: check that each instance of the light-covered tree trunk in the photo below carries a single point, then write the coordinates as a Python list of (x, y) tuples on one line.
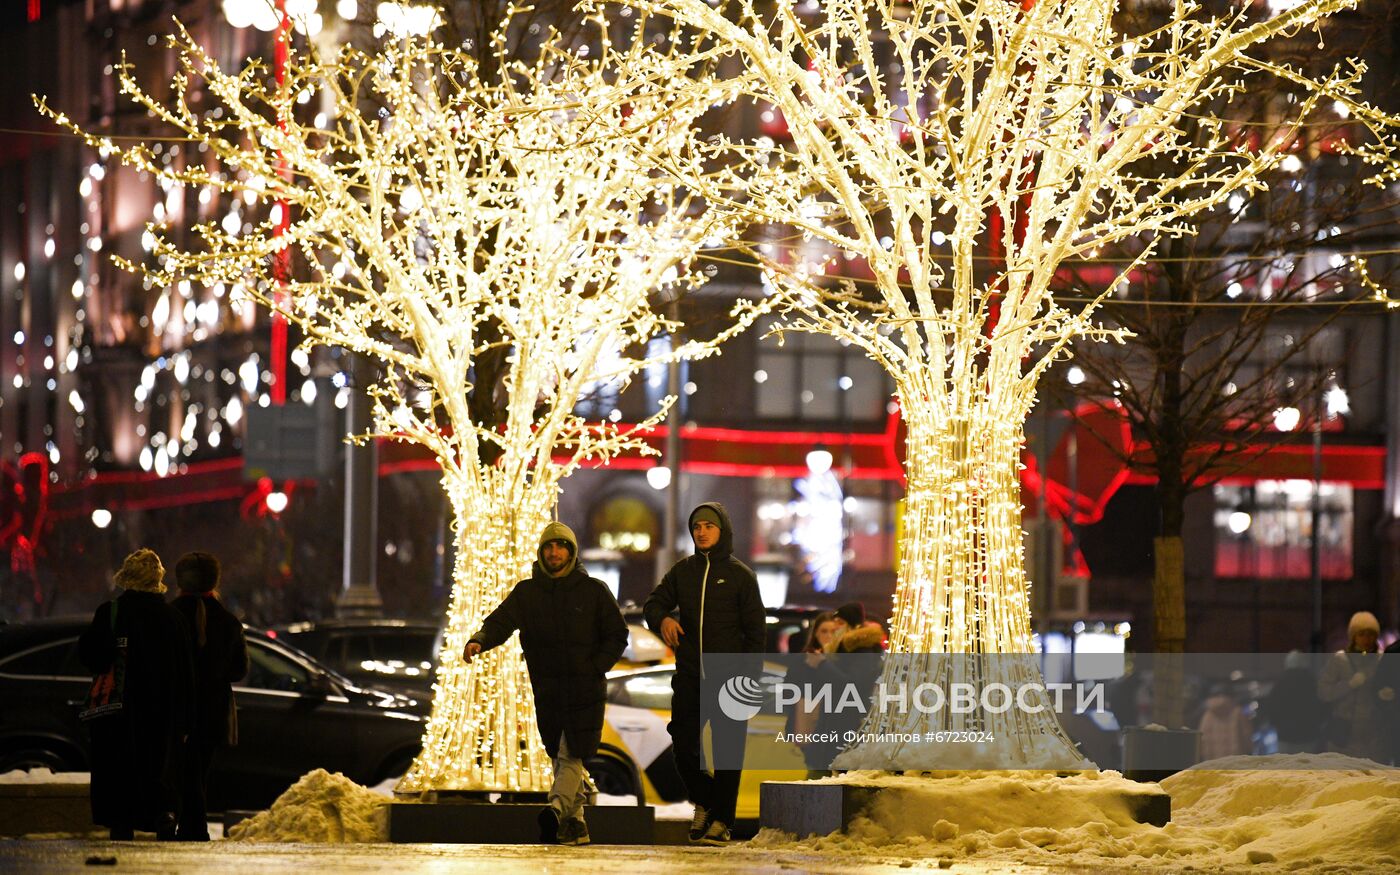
[(481, 733)]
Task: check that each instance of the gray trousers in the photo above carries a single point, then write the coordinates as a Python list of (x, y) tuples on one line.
[(571, 786)]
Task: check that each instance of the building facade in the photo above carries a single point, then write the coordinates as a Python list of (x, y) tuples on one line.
[(123, 410)]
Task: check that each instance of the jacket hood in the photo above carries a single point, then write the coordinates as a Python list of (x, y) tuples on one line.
[(724, 547), (863, 638), (557, 531)]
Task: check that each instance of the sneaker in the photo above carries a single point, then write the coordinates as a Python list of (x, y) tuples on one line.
[(573, 832), (165, 827), (699, 823), (717, 835), (549, 825)]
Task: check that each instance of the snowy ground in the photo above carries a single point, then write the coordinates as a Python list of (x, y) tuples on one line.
[(1299, 813), (1304, 813), (241, 858)]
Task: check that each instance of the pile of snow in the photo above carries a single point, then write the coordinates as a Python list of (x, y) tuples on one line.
[(664, 811), (321, 807), (44, 776), (1295, 812), (1301, 809)]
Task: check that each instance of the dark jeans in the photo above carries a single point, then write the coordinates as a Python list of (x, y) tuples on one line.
[(194, 818), (717, 792)]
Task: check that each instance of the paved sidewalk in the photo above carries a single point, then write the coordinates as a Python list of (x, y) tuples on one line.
[(217, 858)]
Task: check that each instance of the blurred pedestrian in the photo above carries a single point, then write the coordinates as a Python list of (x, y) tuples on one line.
[(220, 660), (808, 674), (572, 633), (852, 659), (851, 615), (707, 603), (141, 705), (1224, 727), (1348, 685), (1293, 708)]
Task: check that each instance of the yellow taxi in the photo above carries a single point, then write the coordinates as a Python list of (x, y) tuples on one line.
[(635, 756)]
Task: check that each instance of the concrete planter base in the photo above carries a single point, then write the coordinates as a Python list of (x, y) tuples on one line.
[(807, 808), (512, 823)]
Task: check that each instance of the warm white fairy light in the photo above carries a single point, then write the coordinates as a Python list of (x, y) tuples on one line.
[(442, 221), (910, 116)]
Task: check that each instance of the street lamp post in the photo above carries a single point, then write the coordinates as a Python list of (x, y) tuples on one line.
[(666, 550), (1314, 541)]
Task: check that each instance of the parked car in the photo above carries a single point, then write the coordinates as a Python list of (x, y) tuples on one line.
[(397, 654), (294, 715), (788, 627)]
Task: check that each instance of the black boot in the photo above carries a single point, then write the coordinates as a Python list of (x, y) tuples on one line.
[(165, 827), (549, 825)]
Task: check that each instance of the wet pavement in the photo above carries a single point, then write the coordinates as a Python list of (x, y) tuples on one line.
[(245, 858)]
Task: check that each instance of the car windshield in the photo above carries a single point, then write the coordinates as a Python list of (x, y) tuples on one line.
[(280, 644), (270, 670)]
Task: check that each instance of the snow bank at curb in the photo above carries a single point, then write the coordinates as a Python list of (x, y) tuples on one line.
[(1313, 812), (321, 807), (44, 776)]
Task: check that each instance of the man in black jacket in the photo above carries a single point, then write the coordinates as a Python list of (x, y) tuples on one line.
[(220, 660), (720, 611), (572, 633)]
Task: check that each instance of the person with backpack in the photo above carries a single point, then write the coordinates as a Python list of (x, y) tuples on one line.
[(140, 708)]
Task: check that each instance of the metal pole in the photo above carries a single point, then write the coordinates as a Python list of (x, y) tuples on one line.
[(1072, 459), (359, 594), (666, 552), (1315, 542), (1043, 572), (281, 265)]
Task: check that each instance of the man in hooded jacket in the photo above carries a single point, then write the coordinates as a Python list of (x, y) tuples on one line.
[(572, 633), (707, 603)]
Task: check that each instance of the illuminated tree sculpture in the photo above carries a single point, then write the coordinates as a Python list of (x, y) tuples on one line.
[(1020, 126), (431, 220)]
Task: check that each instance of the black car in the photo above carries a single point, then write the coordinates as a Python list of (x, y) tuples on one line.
[(294, 715), (395, 654), (788, 627)]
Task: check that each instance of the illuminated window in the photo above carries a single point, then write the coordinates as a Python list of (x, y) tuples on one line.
[(814, 377), (625, 524), (1264, 530)]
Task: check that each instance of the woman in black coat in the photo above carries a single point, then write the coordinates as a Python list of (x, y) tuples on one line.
[(136, 740), (220, 660)]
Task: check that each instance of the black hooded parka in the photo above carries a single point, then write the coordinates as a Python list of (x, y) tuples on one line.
[(717, 599), (572, 634)]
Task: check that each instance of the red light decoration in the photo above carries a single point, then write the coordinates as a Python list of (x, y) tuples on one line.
[(1103, 437), (24, 503)]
